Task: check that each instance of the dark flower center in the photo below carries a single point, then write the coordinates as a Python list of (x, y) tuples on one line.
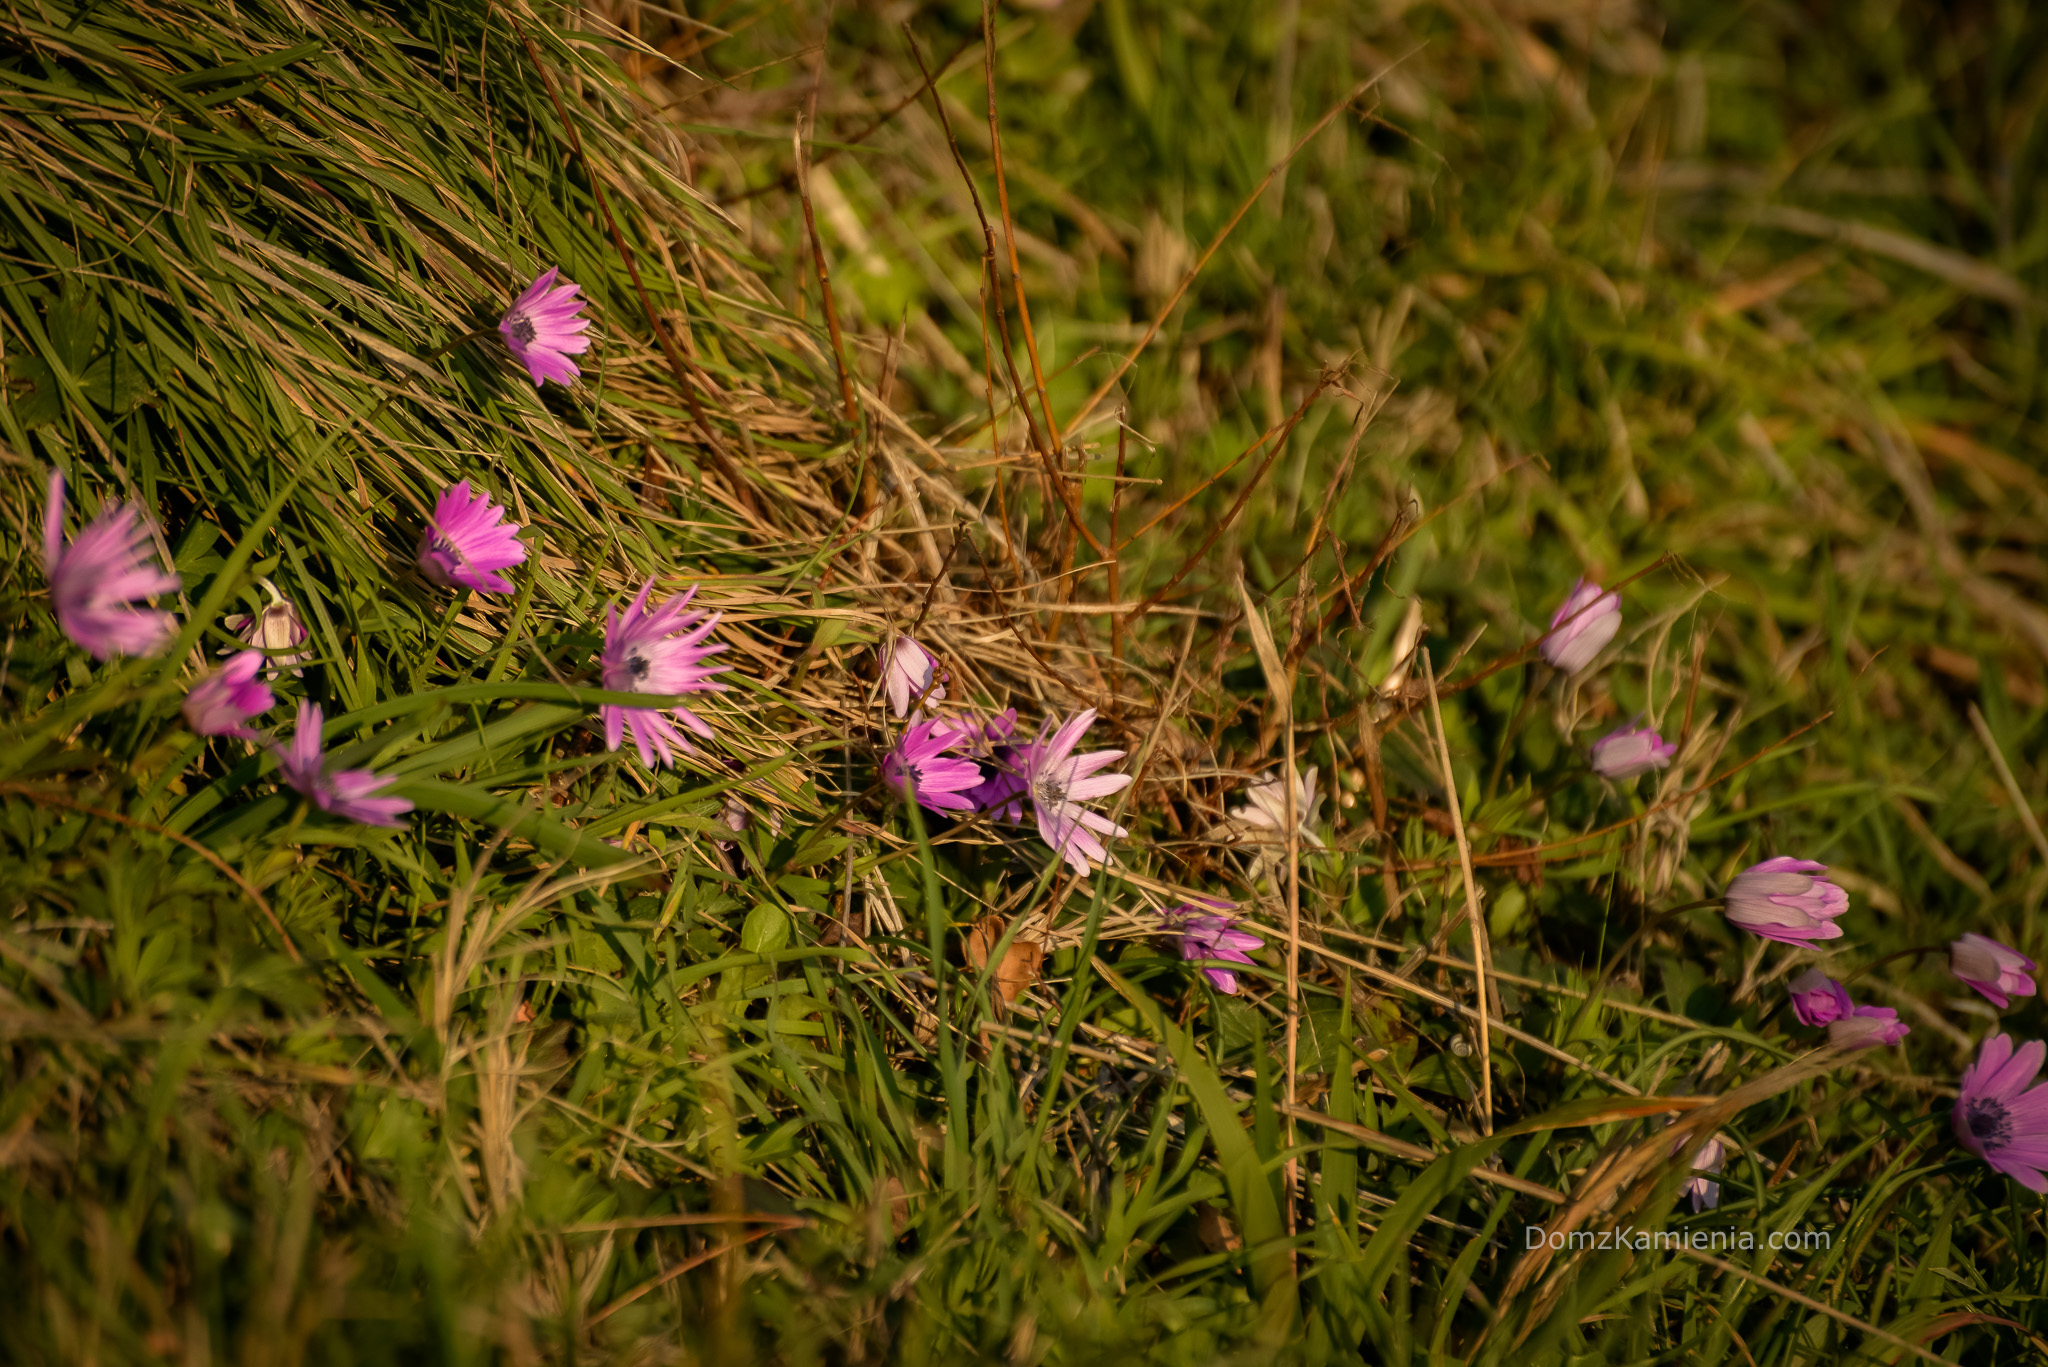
[(1052, 791), (1988, 1121), (522, 328), (636, 665)]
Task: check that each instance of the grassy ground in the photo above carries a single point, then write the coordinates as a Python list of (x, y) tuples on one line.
[(1741, 307)]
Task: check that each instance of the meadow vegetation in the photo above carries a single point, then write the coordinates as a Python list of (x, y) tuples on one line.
[(1261, 377)]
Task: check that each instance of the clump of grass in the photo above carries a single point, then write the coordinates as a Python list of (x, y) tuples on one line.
[(571, 1067)]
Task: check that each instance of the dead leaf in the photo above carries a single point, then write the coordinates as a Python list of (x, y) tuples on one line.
[(1269, 654), (1021, 962), (1213, 1228)]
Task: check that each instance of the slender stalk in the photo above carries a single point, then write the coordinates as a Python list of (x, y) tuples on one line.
[(1481, 959), (803, 181), (1116, 504), (995, 141)]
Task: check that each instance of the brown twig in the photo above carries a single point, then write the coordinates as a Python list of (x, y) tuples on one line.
[(1159, 595), (880, 121), (1116, 503), (1215, 243), (1398, 536), (1278, 429), (1299, 641), (945, 566), (992, 285), (995, 142), (803, 184)]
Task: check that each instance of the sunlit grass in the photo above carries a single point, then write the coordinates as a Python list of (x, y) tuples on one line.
[(569, 1069)]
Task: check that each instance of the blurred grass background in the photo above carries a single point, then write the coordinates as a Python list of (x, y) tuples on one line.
[(1746, 299)]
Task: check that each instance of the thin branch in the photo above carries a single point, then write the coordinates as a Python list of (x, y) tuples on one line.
[(803, 183), (995, 141), (1215, 243), (788, 178), (1223, 524)]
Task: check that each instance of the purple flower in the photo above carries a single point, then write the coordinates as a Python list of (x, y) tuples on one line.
[(1059, 781), (467, 540), (543, 331), (1705, 1191), (1999, 1117), (1866, 1027), (1999, 974), (1204, 936), (1586, 622), (349, 793), (910, 672), (97, 580), (221, 703), (919, 767), (978, 738), (657, 652), (275, 628), (1627, 751), (1001, 790), (1818, 999), (1779, 899)]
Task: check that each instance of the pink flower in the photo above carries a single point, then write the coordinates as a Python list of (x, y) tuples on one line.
[(1587, 621), (918, 767), (1205, 936), (1628, 751), (543, 331), (1866, 1027), (1059, 781), (657, 652), (351, 793), (274, 629), (1999, 1117), (1818, 999), (735, 816), (97, 581), (467, 540), (1779, 899), (909, 673), (1705, 1191), (221, 703), (1999, 974)]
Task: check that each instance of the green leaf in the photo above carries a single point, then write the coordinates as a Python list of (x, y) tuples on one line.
[(1244, 1175), (765, 930)]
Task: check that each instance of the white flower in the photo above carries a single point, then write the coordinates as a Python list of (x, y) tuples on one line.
[(1266, 816), (277, 626)]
